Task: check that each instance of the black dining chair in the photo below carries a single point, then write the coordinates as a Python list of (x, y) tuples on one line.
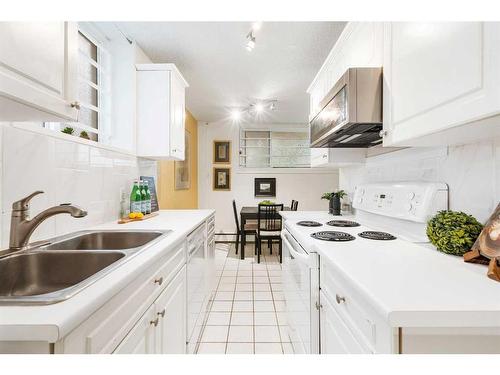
[(269, 226), (250, 229), (294, 205)]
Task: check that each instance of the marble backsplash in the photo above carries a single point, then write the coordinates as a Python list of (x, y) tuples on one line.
[(471, 171), (87, 176)]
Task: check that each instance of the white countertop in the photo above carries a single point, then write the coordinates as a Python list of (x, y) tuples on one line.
[(410, 285), (52, 322)]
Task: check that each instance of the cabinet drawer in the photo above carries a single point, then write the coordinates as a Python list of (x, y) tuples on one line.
[(107, 327), (350, 307)]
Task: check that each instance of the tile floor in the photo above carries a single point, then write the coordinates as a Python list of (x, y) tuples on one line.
[(248, 313)]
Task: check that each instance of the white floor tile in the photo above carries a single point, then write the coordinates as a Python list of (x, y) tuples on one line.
[(228, 280), (226, 287), (240, 306), (245, 273), (275, 279), (275, 273), (222, 306), (264, 306), (265, 319), (260, 273), (278, 296), (260, 280), (242, 318), (274, 267), (244, 287), (262, 296), (212, 348), (229, 273), (282, 319), (244, 279), (280, 305), (215, 334), (245, 267), (287, 348), (259, 267), (261, 287), (219, 319), (241, 334), (284, 333), (277, 287), (267, 334), (243, 296), (224, 296), (268, 348), (239, 348)]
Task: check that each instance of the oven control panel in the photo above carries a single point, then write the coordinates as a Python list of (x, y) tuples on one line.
[(415, 201)]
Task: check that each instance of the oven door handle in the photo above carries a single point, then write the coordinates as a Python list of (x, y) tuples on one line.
[(294, 253)]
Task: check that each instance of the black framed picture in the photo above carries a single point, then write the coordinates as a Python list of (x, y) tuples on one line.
[(265, 187), (222, 179)]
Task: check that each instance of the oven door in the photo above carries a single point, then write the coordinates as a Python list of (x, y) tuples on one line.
[(301, 289)]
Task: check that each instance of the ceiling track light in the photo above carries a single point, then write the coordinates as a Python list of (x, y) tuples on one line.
[(250, 41)]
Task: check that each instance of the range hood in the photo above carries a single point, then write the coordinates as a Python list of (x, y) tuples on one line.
[(350, 115)]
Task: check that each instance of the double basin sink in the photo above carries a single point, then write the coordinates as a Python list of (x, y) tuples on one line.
[(57, 269)]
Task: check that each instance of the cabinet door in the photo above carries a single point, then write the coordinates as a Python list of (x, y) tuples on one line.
[(141, 339), (438, 76), (335, 336), (178, 117), (171, 310), (319, 157), (38, 70)]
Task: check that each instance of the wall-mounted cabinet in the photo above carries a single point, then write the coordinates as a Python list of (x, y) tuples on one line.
[(160, 111), (38, 71), (441, 82)]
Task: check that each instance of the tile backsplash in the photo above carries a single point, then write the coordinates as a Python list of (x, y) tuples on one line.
[(471, 171), (68, 172)]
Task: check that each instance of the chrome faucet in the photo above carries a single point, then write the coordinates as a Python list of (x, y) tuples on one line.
[(22, 227)]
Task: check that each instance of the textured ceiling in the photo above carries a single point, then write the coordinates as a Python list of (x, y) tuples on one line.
[(222, 74)]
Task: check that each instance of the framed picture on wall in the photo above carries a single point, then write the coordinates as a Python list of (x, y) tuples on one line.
[(222, 152), (222, 178), (182, 169), (265, 187)]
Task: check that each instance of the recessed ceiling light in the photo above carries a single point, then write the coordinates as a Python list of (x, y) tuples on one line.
[(259, 107), (235, 114), (256, 26)]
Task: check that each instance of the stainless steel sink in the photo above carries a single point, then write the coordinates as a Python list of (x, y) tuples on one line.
[(57, 269), (103, 240)]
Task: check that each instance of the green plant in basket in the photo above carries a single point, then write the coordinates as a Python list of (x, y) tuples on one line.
[(68, 130), (266, 202), (453, 232)]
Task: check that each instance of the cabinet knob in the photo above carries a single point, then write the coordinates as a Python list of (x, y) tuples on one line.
[(383, 133), (154, 322), (162, 313), (75, 105), (159, 281), (339, 299)]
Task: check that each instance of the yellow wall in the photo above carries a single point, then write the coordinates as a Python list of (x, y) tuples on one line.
[(168, 197)]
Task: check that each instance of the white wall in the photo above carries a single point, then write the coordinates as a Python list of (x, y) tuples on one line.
[(306, 186), (471, 171), (68, 171)]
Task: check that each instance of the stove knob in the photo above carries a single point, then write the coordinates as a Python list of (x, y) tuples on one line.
[(411, 195), (360, 200), (409, 207)]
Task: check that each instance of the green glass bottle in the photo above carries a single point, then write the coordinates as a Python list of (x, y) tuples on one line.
[(143, 197), (148, 197), (136, 198)]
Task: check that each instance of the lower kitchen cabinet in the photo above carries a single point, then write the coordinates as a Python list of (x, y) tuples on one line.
[(141, 339), (170, 309)]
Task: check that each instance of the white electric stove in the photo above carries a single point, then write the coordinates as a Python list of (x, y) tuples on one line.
[(387, 215)]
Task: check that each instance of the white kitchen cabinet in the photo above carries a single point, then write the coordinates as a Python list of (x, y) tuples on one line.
[(335, 336), (38, 71), (160, 111), (441, 82), (337, 157), (141, 339), (170, 310)]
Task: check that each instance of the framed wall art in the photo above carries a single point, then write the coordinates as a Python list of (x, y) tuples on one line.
[(222, 178), (265, 187), (222, 152)]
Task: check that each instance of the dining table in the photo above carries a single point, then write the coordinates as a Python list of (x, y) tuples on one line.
[(250, 213)]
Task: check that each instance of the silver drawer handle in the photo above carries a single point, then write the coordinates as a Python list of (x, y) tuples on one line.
[(75, 105), (162, 313), (159, 281), (154, 322), (318, 305), (339, 299)]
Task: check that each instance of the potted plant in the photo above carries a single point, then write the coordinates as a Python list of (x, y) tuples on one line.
[(84, 134), (334, 199), (68, 130), (453, 232)]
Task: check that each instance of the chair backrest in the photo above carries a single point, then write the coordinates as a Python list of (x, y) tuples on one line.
[(269, 219), (295, 205), (292, 204), (235, 211)]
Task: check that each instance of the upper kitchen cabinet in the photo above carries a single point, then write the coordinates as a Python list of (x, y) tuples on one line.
[(38, 71), (160, 111), (441, 83)]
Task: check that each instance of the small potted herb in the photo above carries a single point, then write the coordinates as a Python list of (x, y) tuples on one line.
[(84, 135), (334, 201), (68, 130), (453, 232)]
